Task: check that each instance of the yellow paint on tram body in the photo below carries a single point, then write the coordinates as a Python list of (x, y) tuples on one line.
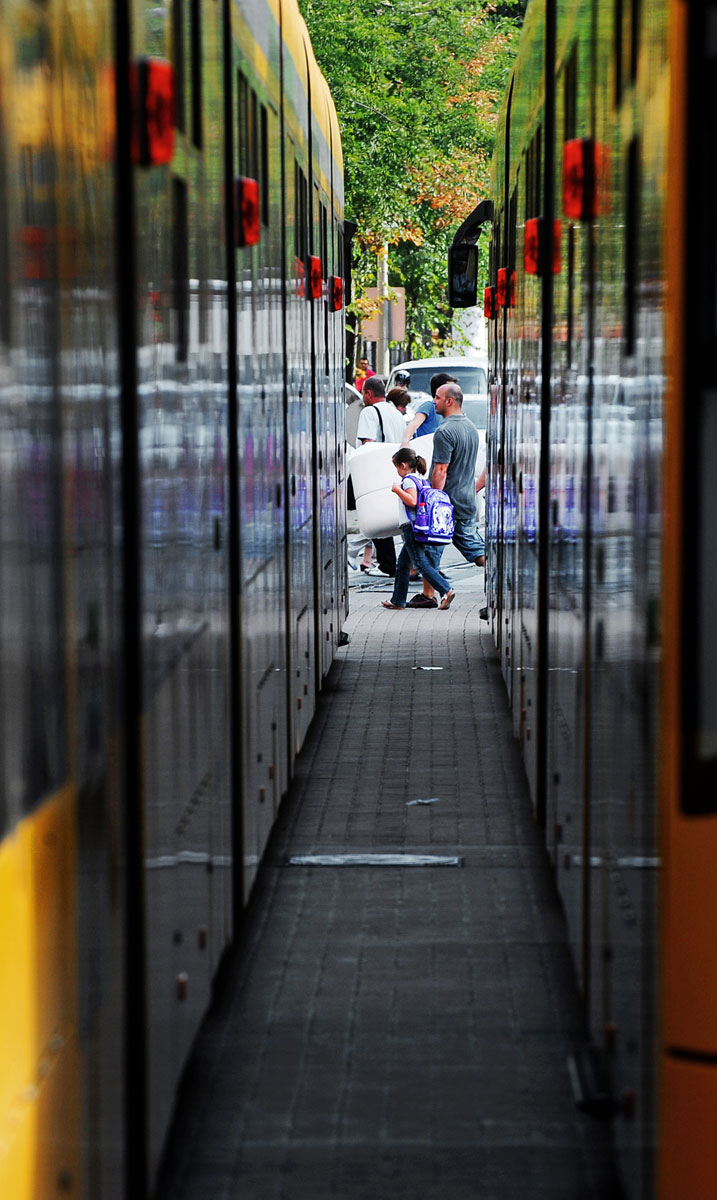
[(39, 1064)]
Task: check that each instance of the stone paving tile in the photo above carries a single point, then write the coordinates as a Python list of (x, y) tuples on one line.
[(387, 1031)]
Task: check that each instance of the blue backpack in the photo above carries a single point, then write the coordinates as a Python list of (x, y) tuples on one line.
[(434, 515)]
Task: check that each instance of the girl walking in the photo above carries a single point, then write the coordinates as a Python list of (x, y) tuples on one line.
[(423, 556)]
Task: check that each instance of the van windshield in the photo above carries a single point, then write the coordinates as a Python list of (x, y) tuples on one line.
[(470, 379)]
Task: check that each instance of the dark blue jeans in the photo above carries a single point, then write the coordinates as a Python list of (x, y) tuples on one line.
[(467, 539), (425, 558)]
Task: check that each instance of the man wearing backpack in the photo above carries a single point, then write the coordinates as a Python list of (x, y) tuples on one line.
[(455, 449)]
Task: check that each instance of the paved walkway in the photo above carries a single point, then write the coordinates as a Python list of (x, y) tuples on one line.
[(398, 1031)]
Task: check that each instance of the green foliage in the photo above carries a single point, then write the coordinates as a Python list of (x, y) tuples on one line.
[(417, 87)]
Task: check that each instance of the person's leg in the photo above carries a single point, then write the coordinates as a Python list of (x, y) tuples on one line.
[(356, 543), (385, 555), (467, 539), (428, 560), (400, 583)]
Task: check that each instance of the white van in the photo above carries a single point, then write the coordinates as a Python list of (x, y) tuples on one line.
[(470, 372)]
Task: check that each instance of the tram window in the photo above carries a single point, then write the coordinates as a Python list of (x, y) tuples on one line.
[(627, 41), (196, 53), (496, 248), (4, 242), (242, 122), (180, 265), (304, 218), (533, 175), (248, 118), (301, 215), (634, 38), (297, 211), (570, 129), (325, 268), (571, 293), (264, 165), (617, 42), (512, 229), (570, 97), (705, 660), (253, 146), (632, 221), (179, 68)]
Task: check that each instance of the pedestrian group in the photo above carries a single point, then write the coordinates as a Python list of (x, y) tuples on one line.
[(455, 448)]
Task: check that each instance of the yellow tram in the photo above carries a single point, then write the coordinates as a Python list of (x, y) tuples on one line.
[(602, 308), (172, 538)]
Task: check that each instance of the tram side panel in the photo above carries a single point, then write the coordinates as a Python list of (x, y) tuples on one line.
[(605, 530), (208, 318), (527, 123), (337, 342), (568, 685), (565, 463), (325, 398), (60, 624), (184, 632), (260, 520), (301, 689), (609, 637), (87, 264), (624, 579), (276, 774)]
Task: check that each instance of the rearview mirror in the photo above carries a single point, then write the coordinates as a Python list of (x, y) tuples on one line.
[(462, 276)]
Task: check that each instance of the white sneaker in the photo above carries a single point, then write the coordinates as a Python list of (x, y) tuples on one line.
[(377, 571)]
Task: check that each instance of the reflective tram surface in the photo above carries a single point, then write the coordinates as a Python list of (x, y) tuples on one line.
[(602, 314), (172, 536)]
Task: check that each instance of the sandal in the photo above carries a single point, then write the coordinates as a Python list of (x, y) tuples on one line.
[(447, 600), (388, 604)]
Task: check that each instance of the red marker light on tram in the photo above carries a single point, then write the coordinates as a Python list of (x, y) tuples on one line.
[(35, 242), (533, 245), (584, 162), (501, 288), (153, 92), (317, 279), (336, 293), (489, 303), (247, 217)]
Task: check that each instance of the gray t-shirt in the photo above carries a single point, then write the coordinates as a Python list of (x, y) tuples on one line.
[(456, 443)]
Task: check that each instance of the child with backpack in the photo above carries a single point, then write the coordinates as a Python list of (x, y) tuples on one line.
[(427, 528)]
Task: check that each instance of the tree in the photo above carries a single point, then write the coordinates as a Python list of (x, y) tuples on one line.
[(417, 88)]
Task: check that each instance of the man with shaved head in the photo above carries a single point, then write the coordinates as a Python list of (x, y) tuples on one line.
[(455, 448)]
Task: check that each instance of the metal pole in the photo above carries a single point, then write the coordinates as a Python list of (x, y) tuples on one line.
[(384, 317)]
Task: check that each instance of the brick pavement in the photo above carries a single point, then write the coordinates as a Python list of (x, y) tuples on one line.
[(390, 1032)]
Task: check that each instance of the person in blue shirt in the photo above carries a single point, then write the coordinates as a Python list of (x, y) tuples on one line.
[(426, 419)]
